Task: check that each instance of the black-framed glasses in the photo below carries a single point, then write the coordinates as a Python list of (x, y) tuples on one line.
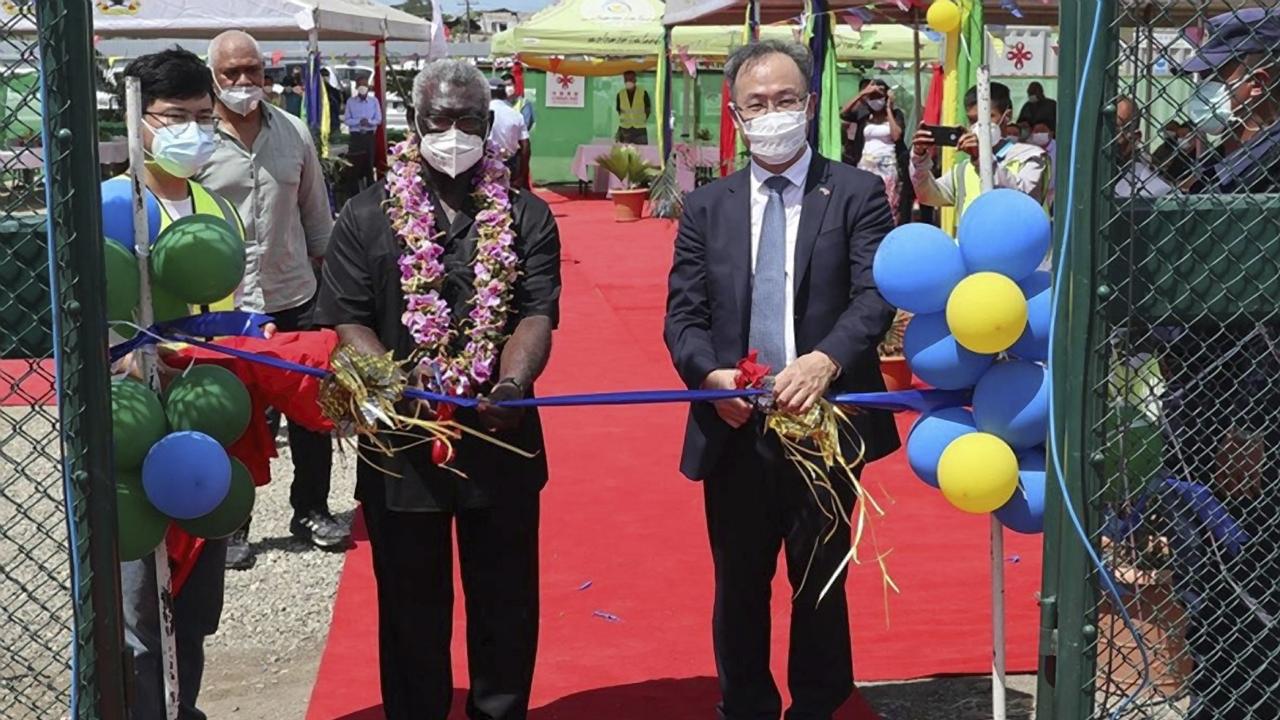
[(171, 117), (469, 124), (758, 108)]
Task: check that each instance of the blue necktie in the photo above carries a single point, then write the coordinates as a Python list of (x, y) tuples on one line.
[(769, 283)]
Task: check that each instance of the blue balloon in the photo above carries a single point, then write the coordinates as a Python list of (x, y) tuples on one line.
[(935, 356), (117, 212), (1011, 402), (186, 475), (1004, 231), (1034, 343), (917, 267), (1024, 513), (931, 435)]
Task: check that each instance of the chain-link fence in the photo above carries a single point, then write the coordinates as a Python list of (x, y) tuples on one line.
[(59, 632), (1175, 325)]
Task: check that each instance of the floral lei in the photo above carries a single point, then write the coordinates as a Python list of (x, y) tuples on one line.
[(427, 316)]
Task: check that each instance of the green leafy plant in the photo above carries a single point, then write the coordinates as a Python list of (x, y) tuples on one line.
[(625, 163)]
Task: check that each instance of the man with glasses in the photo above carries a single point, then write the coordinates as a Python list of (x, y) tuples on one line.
[(178, 135), (267, 165), (776, 259), (410, 503)]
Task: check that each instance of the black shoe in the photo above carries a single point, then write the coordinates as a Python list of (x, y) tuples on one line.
[(239, 553), (320, 528)]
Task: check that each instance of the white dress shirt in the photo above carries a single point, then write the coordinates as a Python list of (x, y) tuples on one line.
[(508, 128), (792, 199)]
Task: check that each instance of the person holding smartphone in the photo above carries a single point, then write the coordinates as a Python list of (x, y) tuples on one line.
[(875, 140), (1018, 165)]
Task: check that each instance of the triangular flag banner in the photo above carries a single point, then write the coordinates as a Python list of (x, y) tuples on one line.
[(997, 43), (853, 20), (1011, 7)]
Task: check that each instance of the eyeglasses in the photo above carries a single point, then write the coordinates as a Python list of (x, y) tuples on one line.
[(755, 109), (207, 121), (470, 124)]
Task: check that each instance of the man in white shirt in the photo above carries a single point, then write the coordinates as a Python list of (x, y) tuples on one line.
[(1137, 177), (777, 259), (509, 132)]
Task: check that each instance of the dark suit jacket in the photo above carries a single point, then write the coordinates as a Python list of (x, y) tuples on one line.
[(838, 309)]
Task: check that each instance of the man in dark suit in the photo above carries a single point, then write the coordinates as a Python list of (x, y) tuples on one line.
[(777, 258)]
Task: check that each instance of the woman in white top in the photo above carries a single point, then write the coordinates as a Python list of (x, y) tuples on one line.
[(874, 141)]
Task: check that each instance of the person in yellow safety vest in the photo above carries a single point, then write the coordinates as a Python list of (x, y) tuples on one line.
[(179, 135), (634, 109), (204, 202), (1019, 166)]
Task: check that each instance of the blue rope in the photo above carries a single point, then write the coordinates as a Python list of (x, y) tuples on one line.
[(1055, 453), (73, 539)]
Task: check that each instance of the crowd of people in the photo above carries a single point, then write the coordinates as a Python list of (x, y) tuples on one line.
[(751, 270)]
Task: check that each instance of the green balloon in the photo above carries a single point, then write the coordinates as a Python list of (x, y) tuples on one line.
[(209, 399), (123, 286), (198, 258), (137, 422), (139, 526), (1134, 451), (232, 513), (165, 306)]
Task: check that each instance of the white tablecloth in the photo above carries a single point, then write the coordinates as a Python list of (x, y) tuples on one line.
[(685, 156), (110, 152)]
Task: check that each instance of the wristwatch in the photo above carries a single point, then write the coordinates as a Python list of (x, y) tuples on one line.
[(516, 383)]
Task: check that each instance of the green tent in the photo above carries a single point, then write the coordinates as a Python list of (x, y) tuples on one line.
[(581, 34)]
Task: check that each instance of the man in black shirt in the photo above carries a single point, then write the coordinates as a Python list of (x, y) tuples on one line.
[(409, 503), (1038, 108)]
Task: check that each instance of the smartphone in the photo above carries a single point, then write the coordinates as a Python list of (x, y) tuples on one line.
[(945, 135)]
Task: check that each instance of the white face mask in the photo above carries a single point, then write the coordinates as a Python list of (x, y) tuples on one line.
[(362, 91), (241, 99), (876, 105), (629, 85), (181, 150), (511, 91), (1210, 107), (1039, 138), (452, 152), (777, 137)]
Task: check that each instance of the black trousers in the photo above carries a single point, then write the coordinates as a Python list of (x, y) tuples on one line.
[(360, 154), (413, 564), (312, 451), (757, 504)]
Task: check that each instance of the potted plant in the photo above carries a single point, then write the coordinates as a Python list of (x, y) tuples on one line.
[(624, 163), (1134, 546), (893, 366)]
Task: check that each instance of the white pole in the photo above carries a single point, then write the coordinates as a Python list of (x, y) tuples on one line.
[(147, 364), (986, 171)]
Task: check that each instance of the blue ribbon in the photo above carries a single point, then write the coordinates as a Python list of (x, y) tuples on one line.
[(214, 324), (250, 325)]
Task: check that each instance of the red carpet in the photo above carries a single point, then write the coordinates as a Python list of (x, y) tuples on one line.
[(26, 382), (626, 573)]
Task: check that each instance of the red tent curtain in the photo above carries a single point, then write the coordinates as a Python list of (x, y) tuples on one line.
[(380, 135), (933, 101), (728, 133), (517, 75)]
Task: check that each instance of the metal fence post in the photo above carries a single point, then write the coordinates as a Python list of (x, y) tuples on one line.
[(66, 54)]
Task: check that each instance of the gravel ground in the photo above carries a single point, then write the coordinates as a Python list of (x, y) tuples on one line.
[(277, 613)]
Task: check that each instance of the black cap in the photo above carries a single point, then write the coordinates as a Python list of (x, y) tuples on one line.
[(1233, 35), (496, 83)]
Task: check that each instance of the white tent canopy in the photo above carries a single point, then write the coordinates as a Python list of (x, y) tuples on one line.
[(264, 19)]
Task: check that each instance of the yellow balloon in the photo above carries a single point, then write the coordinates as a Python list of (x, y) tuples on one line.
[(943, 16), (987, 312), (978, 472)]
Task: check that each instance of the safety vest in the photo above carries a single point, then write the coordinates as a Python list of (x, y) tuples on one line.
[(631, 114), (204, 202), (969, 184), (519, 104)]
